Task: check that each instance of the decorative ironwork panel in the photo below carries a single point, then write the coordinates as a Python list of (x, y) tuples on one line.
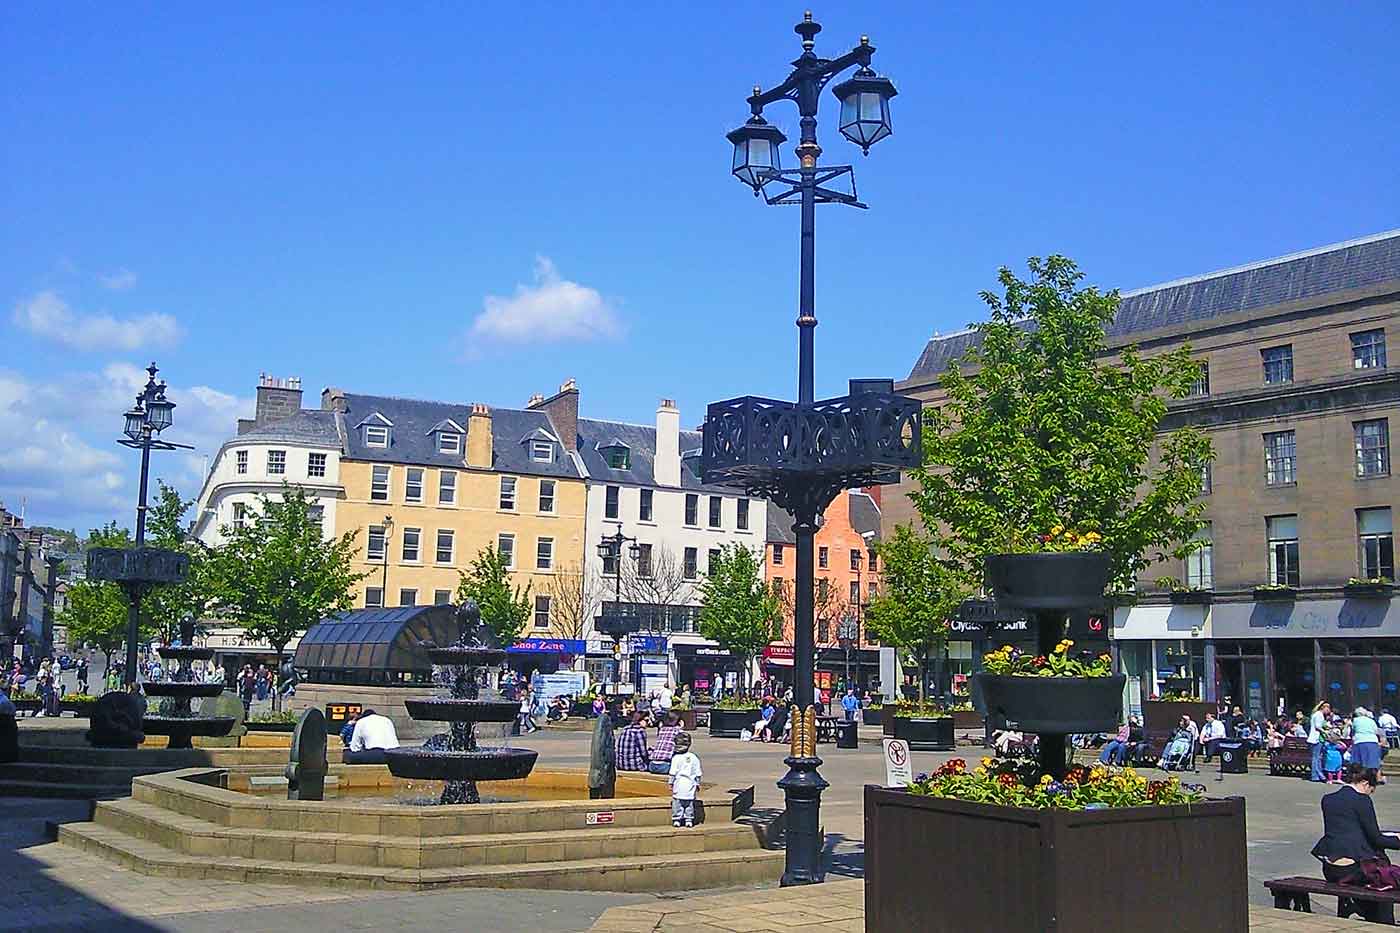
[(137, 565)]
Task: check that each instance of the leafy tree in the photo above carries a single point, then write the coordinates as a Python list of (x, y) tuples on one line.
[(828, 605), (919, 596), (169, 606), (97, 612), (1049, 431), (664, 585), (738, 609), (277, 575), (504, 609), (573, 596)]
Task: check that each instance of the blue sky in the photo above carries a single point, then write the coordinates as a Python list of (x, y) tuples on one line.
[(473, 203)]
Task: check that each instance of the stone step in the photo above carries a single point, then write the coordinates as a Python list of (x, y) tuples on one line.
[(657, 873), (75, 774), (161, 759), (199, 837), (61, 789)]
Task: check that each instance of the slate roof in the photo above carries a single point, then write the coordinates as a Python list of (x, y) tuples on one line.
[(1327, 270), (308, 426), (640, 440), (865, 516), (411, 440)]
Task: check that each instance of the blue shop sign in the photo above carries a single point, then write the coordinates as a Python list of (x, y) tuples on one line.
[(648, 644), (549, 646)]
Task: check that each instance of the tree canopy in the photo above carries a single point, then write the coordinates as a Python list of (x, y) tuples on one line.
[(505, 609), (738, 609), (1053, 431)]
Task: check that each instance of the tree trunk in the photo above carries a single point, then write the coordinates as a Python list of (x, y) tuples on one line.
[(923, 674), (277, 679)]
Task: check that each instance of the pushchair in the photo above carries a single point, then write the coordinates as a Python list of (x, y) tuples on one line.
[(1177, 755)]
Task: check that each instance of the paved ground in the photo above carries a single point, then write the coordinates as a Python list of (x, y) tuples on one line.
[(53, 887)]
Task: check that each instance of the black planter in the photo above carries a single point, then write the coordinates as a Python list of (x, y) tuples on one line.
[(728, 723), (1048, 581), (925, 735), (1368, 590), (271, 726), (873, 716), (1275, 594), (1191, 597), (1054, 705)]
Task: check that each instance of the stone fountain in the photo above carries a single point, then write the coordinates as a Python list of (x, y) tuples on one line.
[(454, 756), (175, 718)]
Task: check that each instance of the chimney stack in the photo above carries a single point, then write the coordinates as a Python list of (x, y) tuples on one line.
[(667, 467), (480, 453), (562, 411), (277, 398), (333, 399), (534, 401)]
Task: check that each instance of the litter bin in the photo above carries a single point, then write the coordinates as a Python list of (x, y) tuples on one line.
[(846, 735), (1234, 757)]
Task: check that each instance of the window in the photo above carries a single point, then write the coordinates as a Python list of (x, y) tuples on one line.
[(315, 464), (442, 597), (823, 590), (542, 451), (1368, 350), (710, 559), (546, 495), (447, 487), (413, 485), (379, 484), (1280, 458), (644, 508), (1377, 544), (1278, 364), (1372, 447), (276, 462), (610, 496), (855, 558), (692, 509), (240, 514), (777, 555), (376, 436), (691, 568), (240, 460), (408, 597), (873, 560), (855, 592), (444, 546), (1207, 482), (541, 612), (741, 520), (508, 493), (872, 590), (375, 544), (505, 546), (644, 561), (716, 510), (1283, 550), (411, 538), (823, 631), (1200, 563), (618, 457), (611, 567), (823, 557), (544, 554), (1201, 386), (449, 443), (374, 597), (317, 513)]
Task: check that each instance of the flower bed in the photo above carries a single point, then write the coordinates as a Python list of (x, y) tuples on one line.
[(1272, 593), (1368, 589)]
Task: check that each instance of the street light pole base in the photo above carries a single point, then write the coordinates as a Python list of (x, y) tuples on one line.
[(806, 843)]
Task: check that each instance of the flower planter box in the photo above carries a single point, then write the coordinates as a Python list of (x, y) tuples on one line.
[(887, 726), (1070, 580), (728, 723), (270, 726), (581, 709), (925, 735), (968, 719), (1129, 868), (28, 705), (1191, 597), (872, 716), (1275, 594), (1368, 590), (1055, 705), (81, 709)]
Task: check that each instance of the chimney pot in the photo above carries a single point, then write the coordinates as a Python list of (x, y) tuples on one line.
[(534, 400)]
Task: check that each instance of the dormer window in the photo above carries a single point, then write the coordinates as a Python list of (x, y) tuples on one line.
[(616, 454), (376, 435), (449, 443), (542, 451), (691, 460)]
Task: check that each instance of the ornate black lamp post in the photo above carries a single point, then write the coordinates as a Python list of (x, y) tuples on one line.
[(616, 625), (137, 570), (802, 455)]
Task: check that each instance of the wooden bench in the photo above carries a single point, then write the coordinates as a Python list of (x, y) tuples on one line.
[(1295, 894), (826, 729), (1294, 758)]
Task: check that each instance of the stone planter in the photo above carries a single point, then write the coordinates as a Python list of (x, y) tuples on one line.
[(1055, 705), (925, 735), (1048, 581), (728, 723), (1124, 868), (873, 716)]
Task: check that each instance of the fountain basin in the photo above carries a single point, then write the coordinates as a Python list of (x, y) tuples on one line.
[(443, 709), (185, 653), (179, 689), (483, 764), (462, 656), (182, 728)]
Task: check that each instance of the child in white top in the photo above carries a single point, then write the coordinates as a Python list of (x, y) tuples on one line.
[(685, 782)]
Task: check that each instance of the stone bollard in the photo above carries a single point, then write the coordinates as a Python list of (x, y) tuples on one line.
[(602, 768), (306, 769), (116, 721), (9, 731)]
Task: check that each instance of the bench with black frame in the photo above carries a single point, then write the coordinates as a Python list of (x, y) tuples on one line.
[(1295, 894), (1293, 758), (826, 729)]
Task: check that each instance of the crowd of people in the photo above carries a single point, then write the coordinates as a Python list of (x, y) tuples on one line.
[(42, 679)]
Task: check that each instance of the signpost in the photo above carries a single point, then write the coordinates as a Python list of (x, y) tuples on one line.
[(899, 770)]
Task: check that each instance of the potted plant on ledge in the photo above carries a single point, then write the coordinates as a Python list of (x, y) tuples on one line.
[(1275, 593), (1369, 588), (1182, 595)]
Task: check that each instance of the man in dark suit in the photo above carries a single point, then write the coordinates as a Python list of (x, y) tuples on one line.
[(1352, 836)]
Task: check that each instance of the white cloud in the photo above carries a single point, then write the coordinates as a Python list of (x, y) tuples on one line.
[(551, 309), (47, 315), (118, 281)]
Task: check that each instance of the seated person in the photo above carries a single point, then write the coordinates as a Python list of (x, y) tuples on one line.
[(558, 709), (373, 734), (659, 758), (630, 745), (1351, 838), (777, 724), (1116, 751), (347, 731), (600, 705), (1007, 742)]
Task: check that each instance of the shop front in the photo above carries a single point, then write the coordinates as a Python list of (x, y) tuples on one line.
[(701, 666), (1162, 650), (836, 668), (544, 655), (777, 662), (1272, 656)]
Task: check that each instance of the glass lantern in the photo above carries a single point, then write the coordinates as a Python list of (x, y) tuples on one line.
[(160, 411), (756, 152), (865, 108), (135, 421)]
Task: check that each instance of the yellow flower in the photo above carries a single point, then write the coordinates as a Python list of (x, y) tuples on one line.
[(1057, 530), (1093, 537)]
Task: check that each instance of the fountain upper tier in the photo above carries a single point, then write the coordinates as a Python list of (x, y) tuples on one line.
[(173, 688), (446, 709), (185, 653), (466, 656)]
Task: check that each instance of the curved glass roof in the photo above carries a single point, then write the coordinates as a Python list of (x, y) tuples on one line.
[(375, 646)]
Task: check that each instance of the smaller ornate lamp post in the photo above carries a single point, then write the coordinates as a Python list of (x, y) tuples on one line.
[(616, 625)]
